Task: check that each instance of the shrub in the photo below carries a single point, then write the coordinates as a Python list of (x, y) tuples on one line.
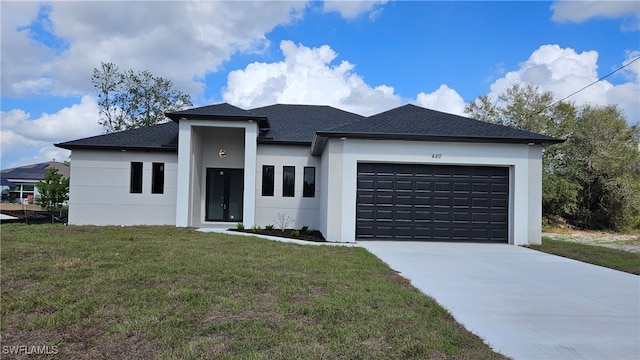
[(295, 233), (256, 229), (240, 226), (284, 221), (269, 227)]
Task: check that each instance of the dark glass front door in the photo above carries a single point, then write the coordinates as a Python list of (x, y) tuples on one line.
[(225, 189)]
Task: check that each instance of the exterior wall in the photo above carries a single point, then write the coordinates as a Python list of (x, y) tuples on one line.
[(535, 195), (210, 141), (99, 189), (330, 220), (340, 159), (198, 146), (304, 211)]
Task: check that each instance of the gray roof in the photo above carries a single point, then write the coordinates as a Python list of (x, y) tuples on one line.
[(299, 123), (34, 171), (314, 124), (222, 111), (411, 122), (161, 137)]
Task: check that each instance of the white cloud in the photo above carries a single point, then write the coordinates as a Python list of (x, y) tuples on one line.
[(25, 140), (353, 8), (307, 76), (563, 71), (579, 11), (182, 41), (444, 99)]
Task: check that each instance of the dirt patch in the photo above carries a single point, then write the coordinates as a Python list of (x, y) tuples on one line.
[(626, 242)]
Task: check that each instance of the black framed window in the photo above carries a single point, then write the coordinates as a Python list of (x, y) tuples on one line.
[(157, 178), (309, 185), (288, 181), (267, 180), (135, 186)]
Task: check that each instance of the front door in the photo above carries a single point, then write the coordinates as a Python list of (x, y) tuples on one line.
[(225, 189)]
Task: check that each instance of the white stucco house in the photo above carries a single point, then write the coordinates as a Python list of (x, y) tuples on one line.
[(409, 173)]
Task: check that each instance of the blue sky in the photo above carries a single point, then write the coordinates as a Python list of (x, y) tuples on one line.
[(361, 56)]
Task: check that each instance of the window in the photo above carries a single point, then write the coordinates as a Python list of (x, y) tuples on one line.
[(267, 180), (309, 185), (157, 178), (288, 181), (136, 178)]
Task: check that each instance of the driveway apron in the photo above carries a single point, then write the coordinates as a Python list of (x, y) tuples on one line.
[(525, 304)]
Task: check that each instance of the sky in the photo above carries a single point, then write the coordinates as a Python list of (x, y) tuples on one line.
[(361, 56)]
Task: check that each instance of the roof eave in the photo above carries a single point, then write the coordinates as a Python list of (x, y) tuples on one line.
[(263, 121), (264, 141), (318, 143), (118, 148)]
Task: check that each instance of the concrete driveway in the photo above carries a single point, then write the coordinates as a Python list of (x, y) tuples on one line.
[(525, 304)]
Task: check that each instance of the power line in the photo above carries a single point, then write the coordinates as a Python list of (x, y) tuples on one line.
[(595, 82)]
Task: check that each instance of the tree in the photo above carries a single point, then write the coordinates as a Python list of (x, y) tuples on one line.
[(526, 107), (54, 190), (129, 100), (607, 167), (593, 178)]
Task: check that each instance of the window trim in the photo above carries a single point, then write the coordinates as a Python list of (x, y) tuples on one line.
[(136, 177), (268, 183), (157, 178), (286, 192), (309, 190)]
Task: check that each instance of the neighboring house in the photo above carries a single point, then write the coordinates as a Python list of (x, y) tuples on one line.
[(21, 181), (408, 174)]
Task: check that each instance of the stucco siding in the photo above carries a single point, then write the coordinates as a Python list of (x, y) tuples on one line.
[(523, 162), (303, 210), (99, 191)]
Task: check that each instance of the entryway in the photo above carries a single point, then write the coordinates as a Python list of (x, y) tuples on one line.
[(225, 190)]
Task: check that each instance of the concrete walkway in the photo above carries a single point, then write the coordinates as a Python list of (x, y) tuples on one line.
[(525, 304)]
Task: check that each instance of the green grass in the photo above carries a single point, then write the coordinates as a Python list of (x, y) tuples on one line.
[(592, 254), (170, 293)]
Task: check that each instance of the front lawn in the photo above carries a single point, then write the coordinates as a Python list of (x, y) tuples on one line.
[(171, 293), (612, 258)]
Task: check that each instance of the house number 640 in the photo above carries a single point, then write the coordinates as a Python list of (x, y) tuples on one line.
[(436, 156)]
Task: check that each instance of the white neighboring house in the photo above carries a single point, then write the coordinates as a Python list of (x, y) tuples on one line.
[(409, 173), (20, 182)]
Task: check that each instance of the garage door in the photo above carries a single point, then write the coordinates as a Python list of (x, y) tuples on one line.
[(432, 202)]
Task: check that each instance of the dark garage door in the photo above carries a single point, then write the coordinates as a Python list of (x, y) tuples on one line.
[(432, 202)]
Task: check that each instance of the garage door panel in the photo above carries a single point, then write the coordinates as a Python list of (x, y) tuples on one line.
[(441, 186), (422, 215), (422, 200), (432, 202), (499, 203), (404, 199)]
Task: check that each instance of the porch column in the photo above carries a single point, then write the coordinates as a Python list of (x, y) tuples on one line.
[(250, 161), (183, 183)]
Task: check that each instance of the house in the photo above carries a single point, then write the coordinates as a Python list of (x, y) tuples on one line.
[(20, 182), (409, 173)]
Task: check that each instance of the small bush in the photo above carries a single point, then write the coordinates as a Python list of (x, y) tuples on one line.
[(240, 226), (270, 227), (306, 230), (256, 229), (295, 233), (284, 221)]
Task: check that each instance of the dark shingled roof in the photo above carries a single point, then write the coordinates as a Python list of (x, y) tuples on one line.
[(34, 171), (299, 123), (411, 122), (222, 111), (161, 137), (315, 124)]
